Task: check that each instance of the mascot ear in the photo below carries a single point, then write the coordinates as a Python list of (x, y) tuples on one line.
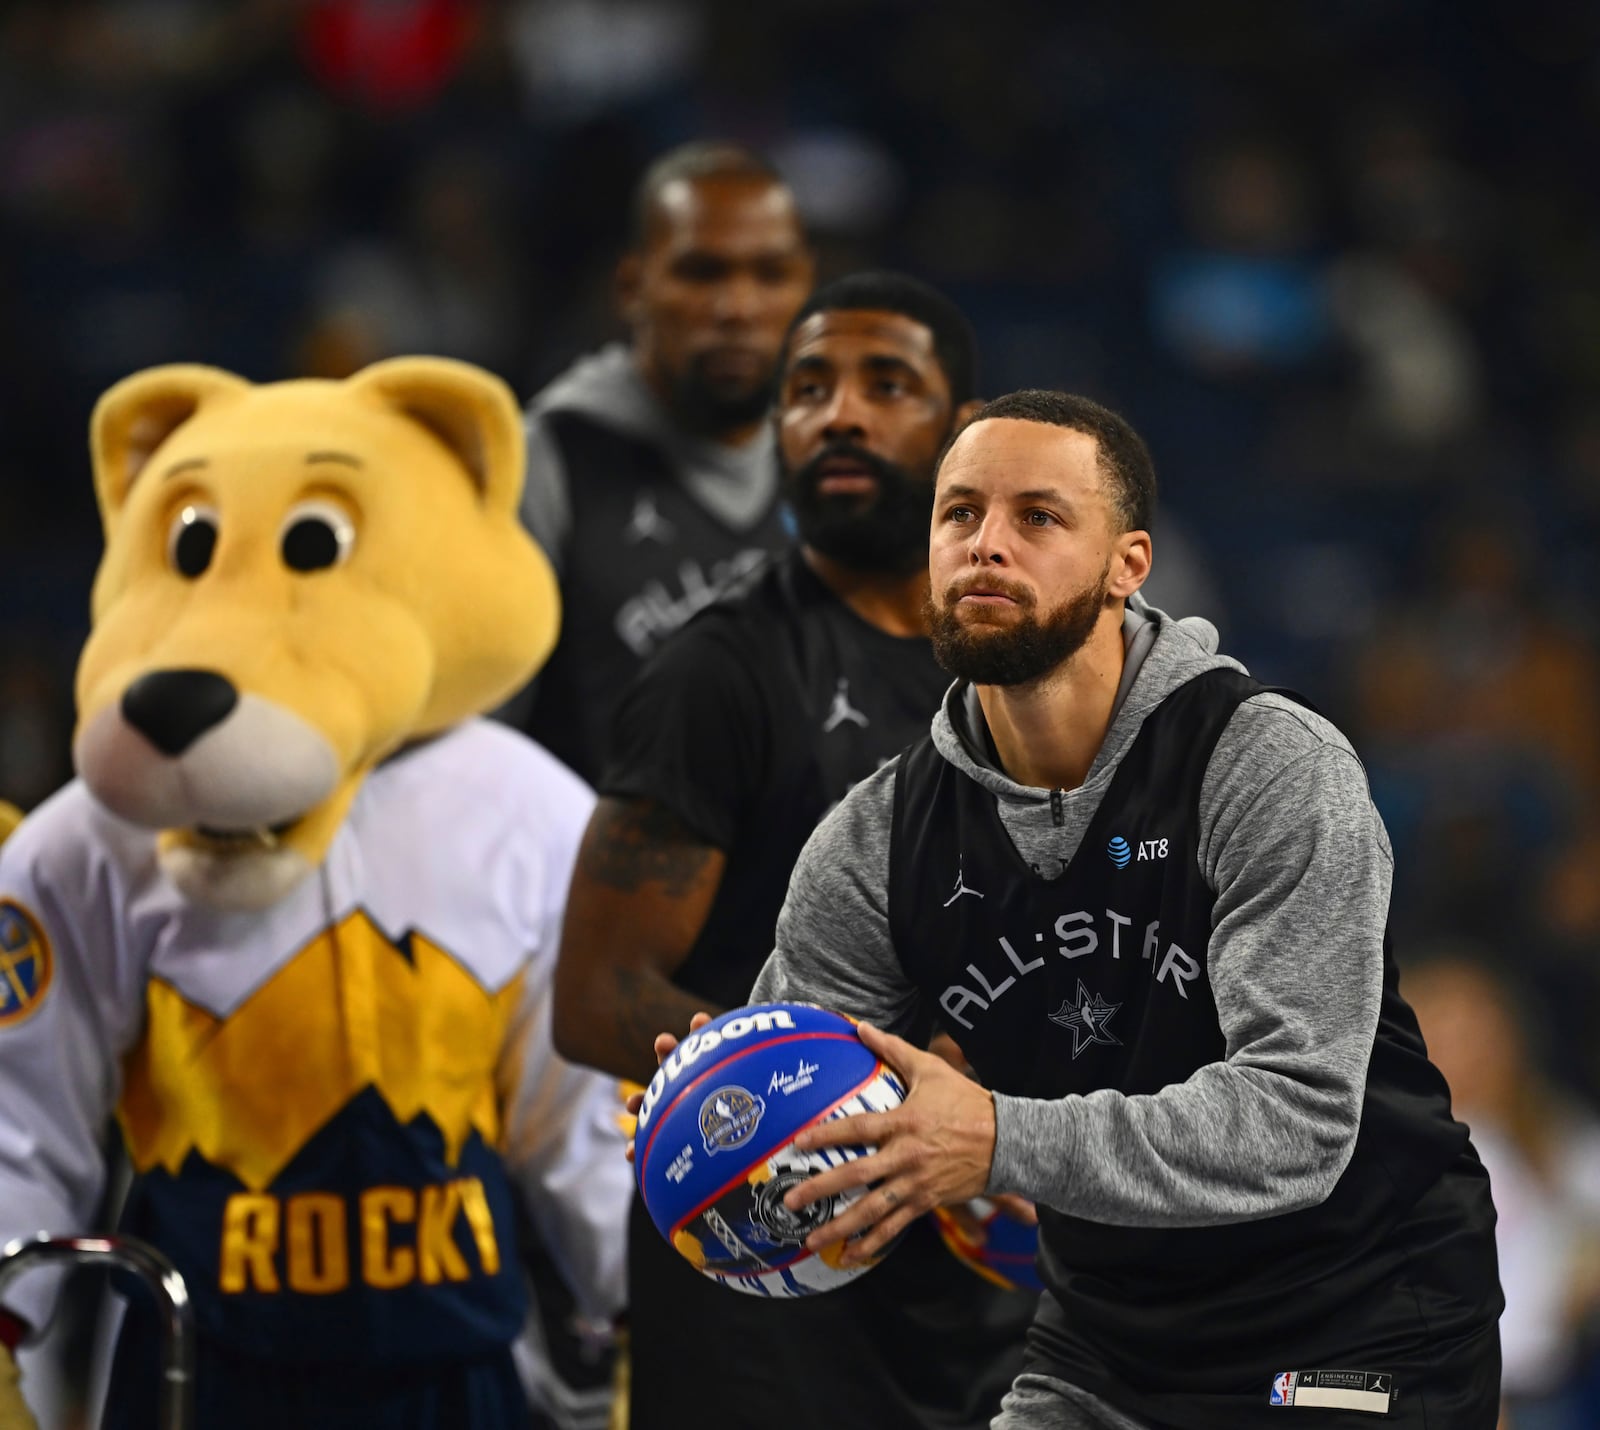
[(471, 411), (136, 416)]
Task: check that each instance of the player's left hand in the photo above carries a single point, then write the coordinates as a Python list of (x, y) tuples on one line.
[(664, 1044), (935, 1148)]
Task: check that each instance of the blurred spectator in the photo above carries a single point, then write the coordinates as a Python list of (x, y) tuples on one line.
[(1246, 294), (652, 476), (35, 726), (445, 282), (578, 58), (388, 54), (1479, 715), (1542, 1149)]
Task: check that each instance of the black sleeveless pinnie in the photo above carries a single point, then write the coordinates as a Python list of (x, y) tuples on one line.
[(1099, 978)]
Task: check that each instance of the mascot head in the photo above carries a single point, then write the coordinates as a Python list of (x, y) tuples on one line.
[(298, 579)]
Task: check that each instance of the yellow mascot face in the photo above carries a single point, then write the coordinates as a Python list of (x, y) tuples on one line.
[(298, 579)]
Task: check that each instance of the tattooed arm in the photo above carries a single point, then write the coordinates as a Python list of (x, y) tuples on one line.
[(639, 898)]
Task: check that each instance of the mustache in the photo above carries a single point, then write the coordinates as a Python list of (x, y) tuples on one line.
[(957, 589), (807, 474)]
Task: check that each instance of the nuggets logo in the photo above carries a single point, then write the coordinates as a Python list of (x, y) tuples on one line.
[(729, 1117), (779, 1225), (25, 963)]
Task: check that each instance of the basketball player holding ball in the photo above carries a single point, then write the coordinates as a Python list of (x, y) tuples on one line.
[(725, 753), (1148, 896)]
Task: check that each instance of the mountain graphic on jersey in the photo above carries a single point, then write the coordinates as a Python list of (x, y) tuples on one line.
[(351, 1010)]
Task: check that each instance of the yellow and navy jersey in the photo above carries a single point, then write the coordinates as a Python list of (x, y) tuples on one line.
[(331, 1104)]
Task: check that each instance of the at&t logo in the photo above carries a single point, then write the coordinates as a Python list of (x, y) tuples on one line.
[(1120, 853)]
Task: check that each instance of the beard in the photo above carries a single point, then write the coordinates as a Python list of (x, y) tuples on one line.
[(709, 406), (1026, 650), (884, 530)]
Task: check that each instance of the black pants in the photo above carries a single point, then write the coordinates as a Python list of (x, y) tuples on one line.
[(920, 1342)]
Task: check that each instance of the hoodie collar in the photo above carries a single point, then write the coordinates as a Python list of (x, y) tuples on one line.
[(1161, 653), (608, 388)]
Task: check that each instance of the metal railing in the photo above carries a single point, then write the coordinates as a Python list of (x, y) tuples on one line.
[(176, 1408)]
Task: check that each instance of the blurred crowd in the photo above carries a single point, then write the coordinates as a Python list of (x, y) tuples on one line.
[(1338, 264)]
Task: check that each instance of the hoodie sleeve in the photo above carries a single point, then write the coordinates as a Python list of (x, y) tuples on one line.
[(1301, 866), (546, 503), (833, 945)]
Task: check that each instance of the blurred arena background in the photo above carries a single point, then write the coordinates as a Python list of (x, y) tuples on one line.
[(1341, 265)]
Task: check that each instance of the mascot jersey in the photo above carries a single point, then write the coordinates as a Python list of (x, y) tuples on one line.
[(330, 1104)]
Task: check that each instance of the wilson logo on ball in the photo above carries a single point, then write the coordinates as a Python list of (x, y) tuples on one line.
[(728, 1028)]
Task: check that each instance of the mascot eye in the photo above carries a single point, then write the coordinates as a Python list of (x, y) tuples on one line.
[(192, 541), (316, 535)]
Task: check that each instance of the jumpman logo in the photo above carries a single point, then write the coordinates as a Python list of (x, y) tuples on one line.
[(646, 523), (843, 710), (961, 888)]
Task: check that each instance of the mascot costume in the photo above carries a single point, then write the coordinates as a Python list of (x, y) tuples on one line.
[(294, 922)]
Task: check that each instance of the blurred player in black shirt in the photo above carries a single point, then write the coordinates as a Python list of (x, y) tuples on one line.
[(652, 482), (731, 745)]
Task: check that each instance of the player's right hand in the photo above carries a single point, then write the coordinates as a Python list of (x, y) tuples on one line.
[(14, 1412)]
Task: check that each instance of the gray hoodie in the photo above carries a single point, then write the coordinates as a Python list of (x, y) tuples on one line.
[(1300, 865), (736, 484)]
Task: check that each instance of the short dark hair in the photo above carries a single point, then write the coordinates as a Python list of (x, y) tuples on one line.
[(880, 291), (702, 159), (1124, 458)]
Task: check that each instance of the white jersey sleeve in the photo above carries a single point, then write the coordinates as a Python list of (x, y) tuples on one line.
[(70, 1005), (564, 1144)]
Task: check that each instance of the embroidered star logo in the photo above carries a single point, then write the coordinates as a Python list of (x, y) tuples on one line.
[(1087, 1019)]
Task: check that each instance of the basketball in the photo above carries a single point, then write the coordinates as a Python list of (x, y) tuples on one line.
[(714, 1152), (1006, 1252)]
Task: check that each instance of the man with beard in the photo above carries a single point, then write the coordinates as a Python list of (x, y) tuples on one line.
[(726, 751), (1173, 971), (651, 479)]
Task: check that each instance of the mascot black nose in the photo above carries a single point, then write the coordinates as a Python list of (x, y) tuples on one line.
[(174, 708)]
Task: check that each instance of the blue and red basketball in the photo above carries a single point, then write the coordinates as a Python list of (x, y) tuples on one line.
[(714, 1151)]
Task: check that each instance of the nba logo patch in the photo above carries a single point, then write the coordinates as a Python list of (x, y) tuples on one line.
[(1369, 1390)]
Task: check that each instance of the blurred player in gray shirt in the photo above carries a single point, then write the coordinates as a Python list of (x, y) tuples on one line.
[(652, 482)]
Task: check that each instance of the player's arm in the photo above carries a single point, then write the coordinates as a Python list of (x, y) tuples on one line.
[(686, 759), (640, 895)]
